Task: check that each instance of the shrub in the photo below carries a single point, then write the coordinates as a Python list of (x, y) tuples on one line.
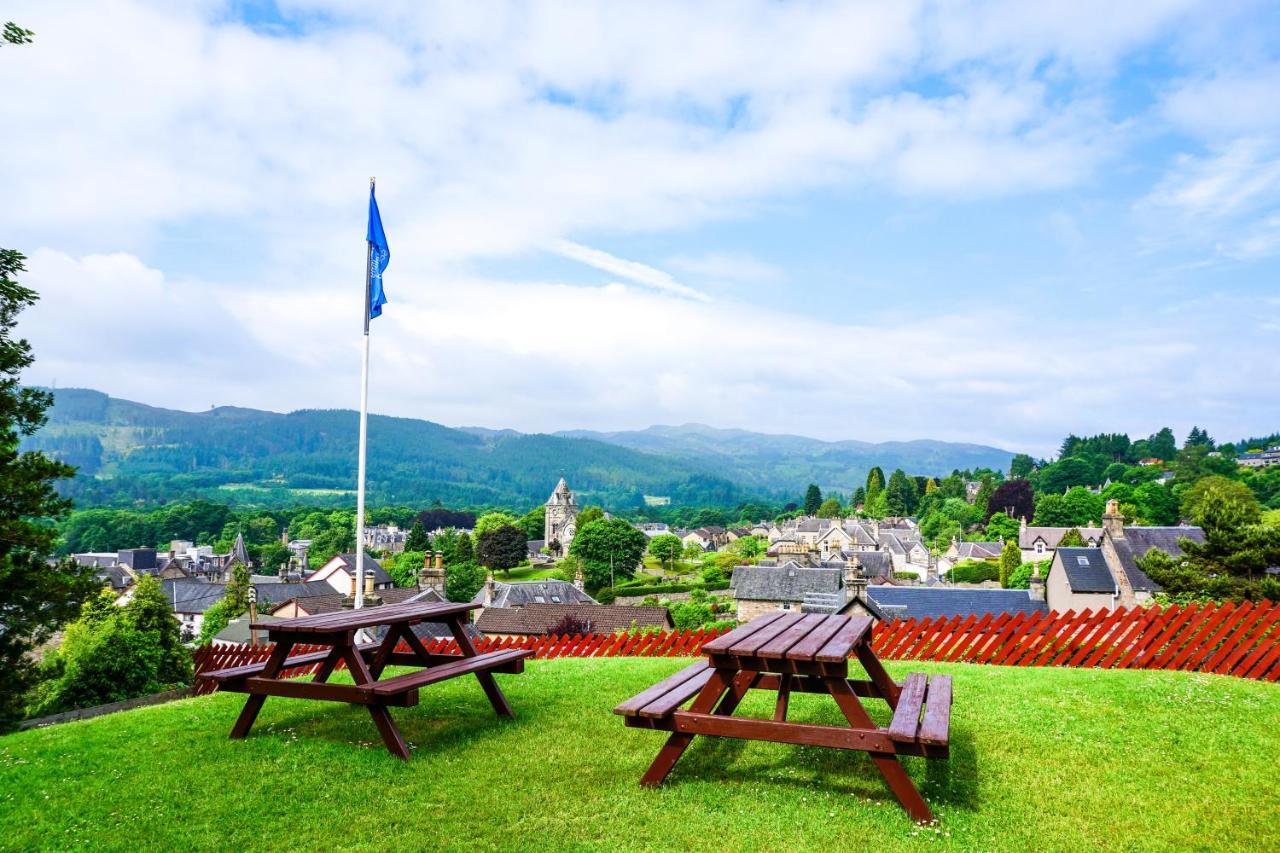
[(974, 571), (462, 581)]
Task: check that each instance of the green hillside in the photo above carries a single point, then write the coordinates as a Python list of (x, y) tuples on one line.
[(130, 452), (791, 462)]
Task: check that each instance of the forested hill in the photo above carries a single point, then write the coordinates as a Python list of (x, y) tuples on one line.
[(790, 462), (129, 452)]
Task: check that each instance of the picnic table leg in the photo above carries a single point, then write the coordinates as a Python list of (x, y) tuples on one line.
[(889, 689), (679, 741), (253, 704), (326, 666), (784, 696), (887, 762), (742, 682), (491, 689), (381, 716)]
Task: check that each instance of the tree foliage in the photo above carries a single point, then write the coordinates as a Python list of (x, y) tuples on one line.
[(417, 538), (500, 548), (812, 499), (1010, 560), (667, 547), (463, 580), (830, 508), (35, 598), (1014, 498), (608, 546)]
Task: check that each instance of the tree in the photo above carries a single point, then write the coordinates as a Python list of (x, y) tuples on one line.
[(462, 581), (1220, 503), (1162, 445), (14, 34), (492, 521), (1014, 498), (1156, 504), (502, 548), (900, 494), (1071, 539), (35, 598), (150, 612), (986, 488), (748, 547), (1198, 438), (1010, 560), (534, 522), (1065, 473), (830, 508), (1052, 511), (1082, 506), (858, 498), (812, 499), (608, 547), (274, 557), (405, 567), (1021, 466), (588, 515), (667, 547), (874, 485), (1002, 527), (417, 538)]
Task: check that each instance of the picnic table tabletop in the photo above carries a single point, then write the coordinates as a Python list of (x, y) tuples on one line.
[(406, 612), (793, 637)]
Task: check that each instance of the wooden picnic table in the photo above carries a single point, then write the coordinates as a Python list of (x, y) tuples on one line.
[(809, 653), (366, 662)]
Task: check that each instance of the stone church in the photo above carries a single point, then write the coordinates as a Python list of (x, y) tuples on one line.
[(562, 520)]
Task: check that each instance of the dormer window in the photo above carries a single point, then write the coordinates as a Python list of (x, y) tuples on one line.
[(1083, 561)]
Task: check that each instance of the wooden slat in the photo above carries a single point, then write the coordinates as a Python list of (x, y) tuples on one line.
[(325, 623), (815, 640), (721, 644), (839, 646), (935, 728), (748, 645), (906, 719), (409, 681), (632, 706), (664, 705), (781, 645), (295, 661)]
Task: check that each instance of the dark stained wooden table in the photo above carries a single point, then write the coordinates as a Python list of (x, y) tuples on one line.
[(366, 663), (789, 652)]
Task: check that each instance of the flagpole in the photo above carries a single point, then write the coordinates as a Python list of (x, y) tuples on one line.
[(364, 425)]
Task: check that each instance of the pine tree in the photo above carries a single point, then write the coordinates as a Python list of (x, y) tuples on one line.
[(35, 598), (875, 485), (417, 538), (812, 499), (1010, 560)]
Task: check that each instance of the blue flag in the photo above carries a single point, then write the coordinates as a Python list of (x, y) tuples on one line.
[(379, 257)]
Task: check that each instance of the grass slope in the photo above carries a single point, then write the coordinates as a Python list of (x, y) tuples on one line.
[(1042, 759)]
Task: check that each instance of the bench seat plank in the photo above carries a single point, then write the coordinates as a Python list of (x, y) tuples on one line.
[(478, 663), (664, 706), (935, 730), (632, 706), (906, 719)]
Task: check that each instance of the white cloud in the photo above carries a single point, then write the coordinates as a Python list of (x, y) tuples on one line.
[(728, 267), (632, 270)]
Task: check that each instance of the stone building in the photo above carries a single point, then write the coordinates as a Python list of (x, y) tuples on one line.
[(562, 520)]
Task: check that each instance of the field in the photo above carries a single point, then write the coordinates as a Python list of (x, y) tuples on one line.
[(1045, 759)]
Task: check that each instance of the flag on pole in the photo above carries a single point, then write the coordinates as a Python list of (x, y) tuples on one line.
[(379, 257)]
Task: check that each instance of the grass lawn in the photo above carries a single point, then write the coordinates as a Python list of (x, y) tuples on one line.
[(527, 573), (1041, 760)]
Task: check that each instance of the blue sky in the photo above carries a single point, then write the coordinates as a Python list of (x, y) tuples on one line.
[(993, 222)]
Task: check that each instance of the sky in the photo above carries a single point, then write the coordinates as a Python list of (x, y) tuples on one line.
[(989, 222)]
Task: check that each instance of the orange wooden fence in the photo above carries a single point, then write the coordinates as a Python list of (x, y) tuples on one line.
[(1228, 639)]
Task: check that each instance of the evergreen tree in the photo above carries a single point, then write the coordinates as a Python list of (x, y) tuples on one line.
[(875, 485), (812, 499), (900, 494), (35, 598), (1010, 560), (1071, 539), (417, 539), (1163, 445)]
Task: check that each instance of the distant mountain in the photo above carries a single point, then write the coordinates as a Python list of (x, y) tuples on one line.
[(790, 462), (129, 452)]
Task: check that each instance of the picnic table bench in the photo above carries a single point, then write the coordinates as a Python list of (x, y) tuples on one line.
[(806, 653), (366, 662)]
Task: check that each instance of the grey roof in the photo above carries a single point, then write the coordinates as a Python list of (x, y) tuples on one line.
[(1051, 536), (922, 601), (520, 593), (380, 575), (788, 582), (1138, 541), (978, 550), (598, 618), (237, 630), (1086, 570), (192, 596), (874, 563), (116, 576)]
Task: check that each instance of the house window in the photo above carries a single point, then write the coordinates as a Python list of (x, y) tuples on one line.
[(555, 599), (786, 605), (1039, 547), (1084, 561)]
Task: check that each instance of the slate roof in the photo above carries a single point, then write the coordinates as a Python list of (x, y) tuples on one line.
[(1138, 541), (237, 630), (332, 601), (978, 550), (788, 582), (380, 575), (1086, 570), (192, 596), (920, 601), (116, 576), (538, 619), (521, 593), (874, 563), (1053, 535)]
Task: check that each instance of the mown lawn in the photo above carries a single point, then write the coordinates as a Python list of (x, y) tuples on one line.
[(1041, 760)]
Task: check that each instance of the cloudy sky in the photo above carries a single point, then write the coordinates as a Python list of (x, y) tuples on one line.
[(995, 222)]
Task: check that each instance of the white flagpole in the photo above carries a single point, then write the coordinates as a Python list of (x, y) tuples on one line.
[(364, 426)]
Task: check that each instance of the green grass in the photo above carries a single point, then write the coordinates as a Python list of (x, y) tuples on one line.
[(1041, 760), (528, 573)]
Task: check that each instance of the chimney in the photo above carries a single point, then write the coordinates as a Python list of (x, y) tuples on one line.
[(349, 601), (578, 580), (490, 587), (371, 598), (931, 569), (1112, 520), (439, 559), (1022, 525), (1037, 583)]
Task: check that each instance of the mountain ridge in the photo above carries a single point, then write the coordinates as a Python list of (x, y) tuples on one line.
[(135, 452)]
